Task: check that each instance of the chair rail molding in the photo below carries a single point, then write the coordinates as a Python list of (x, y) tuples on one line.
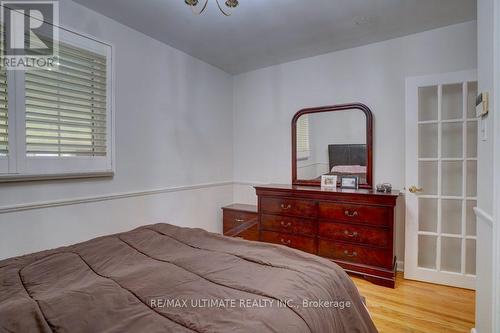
[(114, 196), (483, 216)]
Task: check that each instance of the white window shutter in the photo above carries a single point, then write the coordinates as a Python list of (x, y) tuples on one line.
[(66, 108)]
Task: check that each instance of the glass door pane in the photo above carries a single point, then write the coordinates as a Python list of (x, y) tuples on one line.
[(428, 214), (427, 251), (452, 138), (451, 217), (452, 97), (428, 175), (451, 178), (428, 138), (451, 254), (428, 103)]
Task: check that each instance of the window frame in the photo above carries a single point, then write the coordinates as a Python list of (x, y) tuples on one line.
[(17, 166)]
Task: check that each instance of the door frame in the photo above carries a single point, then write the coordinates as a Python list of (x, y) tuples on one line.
[(411, 159)]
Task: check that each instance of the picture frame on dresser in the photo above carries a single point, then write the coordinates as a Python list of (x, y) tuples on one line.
[(329, 182), (349, 182)]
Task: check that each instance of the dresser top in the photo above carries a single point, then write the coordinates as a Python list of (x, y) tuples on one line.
[(241, 208), (319, 190)]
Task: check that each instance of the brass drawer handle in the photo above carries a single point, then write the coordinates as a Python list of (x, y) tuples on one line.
[(354, 254), (286, 225), (239, 220), (286, 242), (351, 214), (352, 235), (285, 207)]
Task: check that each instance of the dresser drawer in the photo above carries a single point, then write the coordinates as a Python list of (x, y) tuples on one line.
[(287, 224), (354, 213), (251, 234), (297, 242), (353, 233), (233, 219), (356, 254), (303, 208)]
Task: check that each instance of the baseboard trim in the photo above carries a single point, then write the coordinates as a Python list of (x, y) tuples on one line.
[(116, 196)]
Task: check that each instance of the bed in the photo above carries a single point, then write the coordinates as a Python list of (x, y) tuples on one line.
[(163, 278)]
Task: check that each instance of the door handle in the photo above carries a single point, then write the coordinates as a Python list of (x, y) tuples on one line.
[(413, 189)]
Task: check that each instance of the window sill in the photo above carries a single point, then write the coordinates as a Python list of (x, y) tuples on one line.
[(11, 178)]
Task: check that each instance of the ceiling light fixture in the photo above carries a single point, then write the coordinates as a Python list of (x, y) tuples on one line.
[(195, 5)]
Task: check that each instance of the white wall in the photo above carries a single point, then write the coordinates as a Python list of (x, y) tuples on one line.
[(266, 100), (173, 128), (485, 248)]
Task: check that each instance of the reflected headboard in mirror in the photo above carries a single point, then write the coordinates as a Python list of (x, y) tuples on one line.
[(332, 140), (348, 159)]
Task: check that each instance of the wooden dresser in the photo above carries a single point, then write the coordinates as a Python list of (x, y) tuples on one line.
[(354, 228)]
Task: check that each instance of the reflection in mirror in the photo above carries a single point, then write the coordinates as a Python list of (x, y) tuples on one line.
[(332, 143)]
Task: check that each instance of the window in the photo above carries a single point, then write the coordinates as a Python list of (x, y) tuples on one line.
[(60, 120), (303, 148)]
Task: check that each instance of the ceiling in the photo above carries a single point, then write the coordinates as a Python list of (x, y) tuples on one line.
[(262, 33)]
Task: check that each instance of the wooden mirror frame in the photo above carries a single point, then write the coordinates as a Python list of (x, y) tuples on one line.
[(369, 141)]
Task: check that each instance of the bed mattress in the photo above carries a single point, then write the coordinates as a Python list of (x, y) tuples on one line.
[(163, 278)]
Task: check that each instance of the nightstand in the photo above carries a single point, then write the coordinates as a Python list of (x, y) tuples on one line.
[(241, 221)]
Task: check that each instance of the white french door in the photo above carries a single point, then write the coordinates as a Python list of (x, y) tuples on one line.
[(441, 178)]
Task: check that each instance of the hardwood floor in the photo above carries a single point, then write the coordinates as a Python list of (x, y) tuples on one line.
[(419, 307)]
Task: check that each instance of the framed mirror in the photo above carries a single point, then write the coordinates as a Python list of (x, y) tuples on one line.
[(332, 140)]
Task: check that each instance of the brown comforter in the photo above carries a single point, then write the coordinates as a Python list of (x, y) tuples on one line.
[(162, 278)]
